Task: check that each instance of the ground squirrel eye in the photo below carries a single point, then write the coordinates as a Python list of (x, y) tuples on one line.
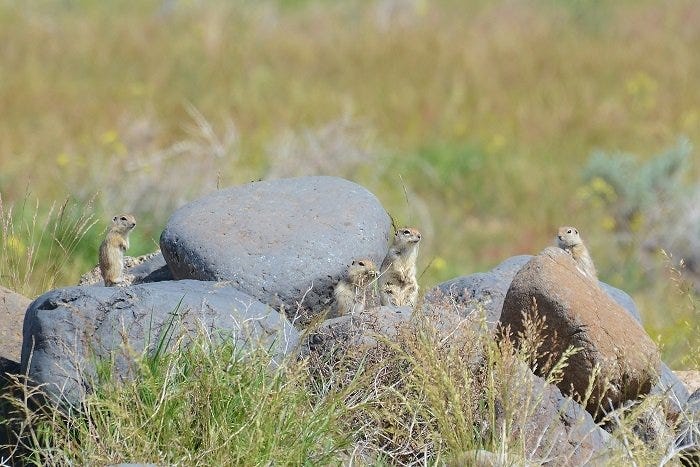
[(568, 231), (576, 231), (361, 263), (406, 232), (123, 218)]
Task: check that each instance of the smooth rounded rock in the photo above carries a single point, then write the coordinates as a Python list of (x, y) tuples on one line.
[(285, 242), (579, 313), (66, 331)]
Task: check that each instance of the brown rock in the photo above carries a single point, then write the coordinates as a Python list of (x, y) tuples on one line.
[(578, 313), (12, 308)]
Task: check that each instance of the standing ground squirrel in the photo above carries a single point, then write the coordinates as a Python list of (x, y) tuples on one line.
[(113, 247), (570, 241), (355, 292), (397, 278)]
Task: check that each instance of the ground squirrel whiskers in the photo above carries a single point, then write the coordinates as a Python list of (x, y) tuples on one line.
[(113, 247), (397, 278), (569, 240), (355, 292)]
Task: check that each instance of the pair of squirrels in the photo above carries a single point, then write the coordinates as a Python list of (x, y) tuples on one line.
[(396, 279)]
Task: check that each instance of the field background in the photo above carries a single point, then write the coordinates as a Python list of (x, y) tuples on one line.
[(473, 121)]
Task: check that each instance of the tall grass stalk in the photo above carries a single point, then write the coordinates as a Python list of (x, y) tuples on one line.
[(37, 245)]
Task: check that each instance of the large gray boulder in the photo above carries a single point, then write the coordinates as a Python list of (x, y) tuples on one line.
[(580, 314), (478, 296), (285, 242), (67, 330)]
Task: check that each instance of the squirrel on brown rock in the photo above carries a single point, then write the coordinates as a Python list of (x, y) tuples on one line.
[(569, 240)]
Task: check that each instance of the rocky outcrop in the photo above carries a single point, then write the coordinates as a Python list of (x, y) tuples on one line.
[(12, 308), (284, 242), (477, 297), (137, 270), (66, 331), (579, 314), (358, 333)]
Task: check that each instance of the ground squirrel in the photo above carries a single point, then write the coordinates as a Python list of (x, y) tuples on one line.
[(570, 241), (397, 278), (113, 247), (355, 292)]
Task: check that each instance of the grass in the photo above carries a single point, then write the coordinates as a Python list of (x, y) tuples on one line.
[(421, 397), (205, 405), (39, 247)]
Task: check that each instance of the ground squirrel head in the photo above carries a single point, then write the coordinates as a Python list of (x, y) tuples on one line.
[(122, 223), (568, 237), (361, 271), (406, 236)]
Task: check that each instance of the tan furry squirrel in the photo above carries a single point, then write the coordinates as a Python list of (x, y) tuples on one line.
[(355, 291), (113, 247), (397, 277), (569, 240)]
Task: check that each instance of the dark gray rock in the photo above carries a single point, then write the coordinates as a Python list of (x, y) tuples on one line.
[(554, 429), (152, 269), (7, 438), (688, 440), (672, 389), (285, 242), (67, 330), (476, 296), (137, 270)]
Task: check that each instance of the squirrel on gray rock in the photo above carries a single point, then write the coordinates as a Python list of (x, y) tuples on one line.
[(113, 247), (354, 292), (397, 278)]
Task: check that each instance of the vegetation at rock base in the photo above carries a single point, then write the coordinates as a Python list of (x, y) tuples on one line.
[(473, 120), (414, 400)]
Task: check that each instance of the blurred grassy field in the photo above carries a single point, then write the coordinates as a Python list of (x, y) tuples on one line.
[(471, 120)]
